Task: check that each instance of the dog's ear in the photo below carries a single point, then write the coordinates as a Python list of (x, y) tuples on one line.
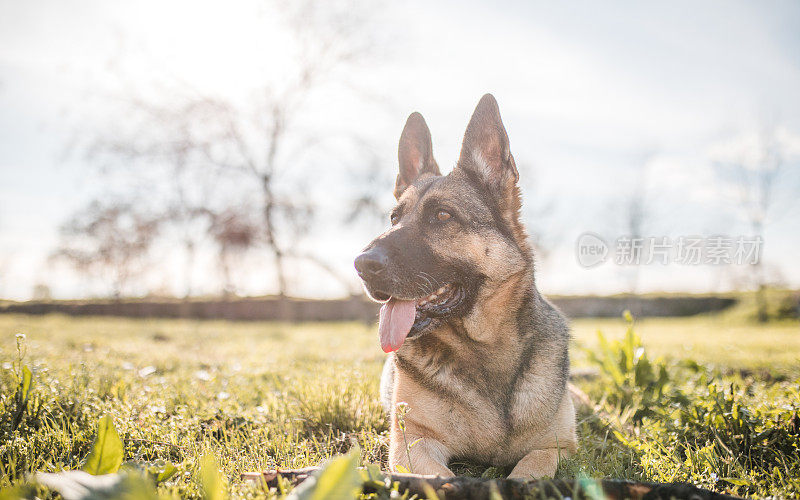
[(415, 153), (486, 158), (485, 151)]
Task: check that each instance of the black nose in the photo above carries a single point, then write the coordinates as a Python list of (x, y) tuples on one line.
[(371, 262)]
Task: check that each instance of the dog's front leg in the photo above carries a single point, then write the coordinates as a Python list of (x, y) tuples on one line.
[(427, 455), (537, 464)]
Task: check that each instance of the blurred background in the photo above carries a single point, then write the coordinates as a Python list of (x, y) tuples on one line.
[(182, 150)]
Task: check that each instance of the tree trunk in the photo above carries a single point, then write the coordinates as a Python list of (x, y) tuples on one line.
[(762, 312), (188, 267), (269, 233)]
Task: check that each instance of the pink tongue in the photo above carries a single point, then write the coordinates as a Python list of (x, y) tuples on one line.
[(396, 318)]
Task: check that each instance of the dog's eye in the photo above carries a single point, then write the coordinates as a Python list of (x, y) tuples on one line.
[(443, 215), (394, 218)]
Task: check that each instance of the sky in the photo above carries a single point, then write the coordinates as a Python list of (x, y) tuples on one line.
[(602, 102)]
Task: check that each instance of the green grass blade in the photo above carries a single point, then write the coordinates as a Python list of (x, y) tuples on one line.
[(27, 381), (107, 450), (211, 480), (339, 480)]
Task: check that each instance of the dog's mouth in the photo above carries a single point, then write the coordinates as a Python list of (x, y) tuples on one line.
[(401, 319)]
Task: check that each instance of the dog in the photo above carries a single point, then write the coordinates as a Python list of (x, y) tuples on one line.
[(476, 354)]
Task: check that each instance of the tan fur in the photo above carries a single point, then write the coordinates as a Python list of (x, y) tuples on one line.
[(472, 427), (489, 385)]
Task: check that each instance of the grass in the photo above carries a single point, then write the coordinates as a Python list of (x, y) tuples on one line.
[(768, 350), (260, 395)]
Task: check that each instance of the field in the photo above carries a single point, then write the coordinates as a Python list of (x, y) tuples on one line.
[(711, 400)]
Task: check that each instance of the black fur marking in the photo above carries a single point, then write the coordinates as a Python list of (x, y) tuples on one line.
[(485, 193), (525, 313), (472, 281), (525, 327), (437, 354), (425, 187), (475, 375), (422, 378)]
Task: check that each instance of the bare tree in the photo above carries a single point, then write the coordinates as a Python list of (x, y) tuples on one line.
[(4, 266), (372, 197), (234, 233), (42, 292), (635, 213), (754, 175), (110, 241), (539, 209), (217, 149)]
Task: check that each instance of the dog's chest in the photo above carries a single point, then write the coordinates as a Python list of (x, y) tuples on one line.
[(477, 431), (473, 428), (480, 405), (470, 406)]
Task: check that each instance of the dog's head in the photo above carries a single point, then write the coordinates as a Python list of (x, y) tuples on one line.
[(452, 236)]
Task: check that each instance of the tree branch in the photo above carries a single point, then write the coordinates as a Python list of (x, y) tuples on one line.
[(464, 488)]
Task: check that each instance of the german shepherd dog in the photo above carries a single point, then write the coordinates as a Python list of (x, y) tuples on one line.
[(478, 355)]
